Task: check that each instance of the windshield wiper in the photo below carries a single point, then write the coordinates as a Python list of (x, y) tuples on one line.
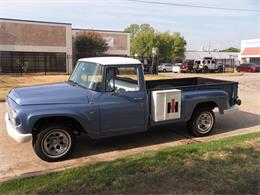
[(74, 83)]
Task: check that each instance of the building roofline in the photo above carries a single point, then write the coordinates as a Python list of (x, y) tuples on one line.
[(34, 21), (116, 31)]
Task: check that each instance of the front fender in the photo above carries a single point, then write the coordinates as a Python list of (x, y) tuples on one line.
[(191, 99), (86, 115)]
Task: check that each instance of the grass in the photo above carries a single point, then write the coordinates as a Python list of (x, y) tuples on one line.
[(8, 82), (230, 165)]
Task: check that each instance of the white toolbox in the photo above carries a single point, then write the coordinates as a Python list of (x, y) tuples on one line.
[(166, 104)]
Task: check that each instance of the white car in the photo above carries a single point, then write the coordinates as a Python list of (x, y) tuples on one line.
[(167, 67), (176, 68)]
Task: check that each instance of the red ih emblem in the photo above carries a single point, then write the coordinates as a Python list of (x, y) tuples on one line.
[(172, 106)]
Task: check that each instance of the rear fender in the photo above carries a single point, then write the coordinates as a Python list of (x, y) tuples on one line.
[(192, 99)]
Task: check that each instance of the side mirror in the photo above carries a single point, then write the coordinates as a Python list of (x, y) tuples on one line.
[(115, 91)]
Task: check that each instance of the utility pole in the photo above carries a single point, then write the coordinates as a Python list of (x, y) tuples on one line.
[(154, 50)]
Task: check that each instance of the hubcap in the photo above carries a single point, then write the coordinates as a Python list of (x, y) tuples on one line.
[(56, 143), (205, 122)]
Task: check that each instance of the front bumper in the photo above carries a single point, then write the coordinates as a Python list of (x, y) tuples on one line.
[(13, 133), (232, 109)]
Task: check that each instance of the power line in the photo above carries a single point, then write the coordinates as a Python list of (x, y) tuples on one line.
[(195, 6)]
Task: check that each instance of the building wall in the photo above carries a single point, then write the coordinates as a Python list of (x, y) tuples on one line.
[(21, 40), (30, 36), (254, 56), (118, 42)]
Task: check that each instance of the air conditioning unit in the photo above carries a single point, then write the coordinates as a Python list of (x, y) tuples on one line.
[(166, 105)]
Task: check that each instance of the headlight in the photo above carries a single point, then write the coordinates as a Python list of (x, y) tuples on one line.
[(14, 118)]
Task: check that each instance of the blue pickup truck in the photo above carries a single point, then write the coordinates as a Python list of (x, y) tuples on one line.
[(108, 96)]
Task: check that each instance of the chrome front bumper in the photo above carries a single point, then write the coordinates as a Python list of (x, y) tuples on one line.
[(232, 109), (13, 133)]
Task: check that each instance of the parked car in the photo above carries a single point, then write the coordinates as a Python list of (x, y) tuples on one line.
[(176, 68), (248, 67), (187, 66), (108, 96), (166, 67)]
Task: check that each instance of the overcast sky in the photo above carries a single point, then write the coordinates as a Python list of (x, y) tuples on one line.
[(217, 28)]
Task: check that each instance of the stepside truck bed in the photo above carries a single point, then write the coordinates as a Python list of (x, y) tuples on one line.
[(190, 89)]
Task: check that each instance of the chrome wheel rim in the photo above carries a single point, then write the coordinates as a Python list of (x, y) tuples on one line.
[(205, 122), (56, 143)]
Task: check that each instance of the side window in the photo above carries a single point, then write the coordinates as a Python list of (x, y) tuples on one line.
[(122, 79)]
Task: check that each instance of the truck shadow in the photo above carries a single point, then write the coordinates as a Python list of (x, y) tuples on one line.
[(162, 134)]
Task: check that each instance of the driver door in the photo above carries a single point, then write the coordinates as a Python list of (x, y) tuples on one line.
[(123, 105)]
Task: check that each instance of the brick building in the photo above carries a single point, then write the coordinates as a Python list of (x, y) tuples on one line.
[(39, 46)]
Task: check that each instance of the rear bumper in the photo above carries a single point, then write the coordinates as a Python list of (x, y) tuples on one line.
[(16, 135)]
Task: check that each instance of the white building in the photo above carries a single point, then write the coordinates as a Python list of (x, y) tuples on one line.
[(250, 51)]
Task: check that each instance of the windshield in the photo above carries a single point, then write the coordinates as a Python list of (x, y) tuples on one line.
[(87, 75)]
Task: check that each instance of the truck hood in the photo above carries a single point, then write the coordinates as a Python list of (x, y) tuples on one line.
[(61, 93)]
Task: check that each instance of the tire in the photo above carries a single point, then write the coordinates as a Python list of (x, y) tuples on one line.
[(164, 70), (54, 143), (205, 69), (220, 69), (201, 128)]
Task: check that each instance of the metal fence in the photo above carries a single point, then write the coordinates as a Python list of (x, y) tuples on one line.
[(228, 64), (32, 62)]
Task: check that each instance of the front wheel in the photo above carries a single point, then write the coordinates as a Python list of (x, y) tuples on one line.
[(54, 143), (202, 122)]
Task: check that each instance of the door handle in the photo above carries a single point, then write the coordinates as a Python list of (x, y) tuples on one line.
[(139, 98)]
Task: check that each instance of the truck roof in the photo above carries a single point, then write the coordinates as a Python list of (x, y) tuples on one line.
[(111, 60)]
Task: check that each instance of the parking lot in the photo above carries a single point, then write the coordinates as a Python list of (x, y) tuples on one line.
[(19, 159)]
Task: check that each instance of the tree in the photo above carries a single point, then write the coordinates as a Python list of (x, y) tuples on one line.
[(231, 49), (164, 42), (90, 44), (179, 48), (135, 29), (132, 29), (143, 43), (171, 47)]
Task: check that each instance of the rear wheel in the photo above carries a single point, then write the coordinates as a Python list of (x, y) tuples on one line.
[(202, 121), (164, 70), (54, 143)]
